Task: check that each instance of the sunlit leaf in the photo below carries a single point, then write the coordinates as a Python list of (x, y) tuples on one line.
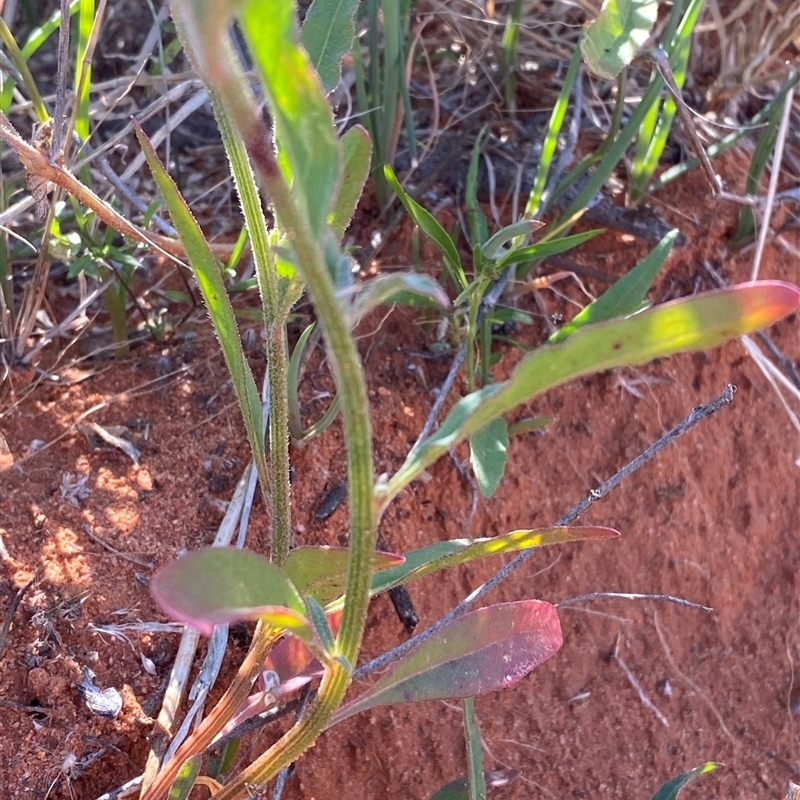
[(695, 323), (322, 571), (489, 649), (223, 584), (452, 552), (488, 453), (613, 40), (671, 789)]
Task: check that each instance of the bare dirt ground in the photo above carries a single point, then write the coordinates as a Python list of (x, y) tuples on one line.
[(714, 519)]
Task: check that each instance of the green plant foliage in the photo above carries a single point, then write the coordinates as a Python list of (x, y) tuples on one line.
[(246, 586), (613, 40), (626, 296), (671, 789), (459, 788), (488, 453), (485, 650), (699, 322), (327, 36), (452, 552), (356, 153), (303, 121), (322, 571)]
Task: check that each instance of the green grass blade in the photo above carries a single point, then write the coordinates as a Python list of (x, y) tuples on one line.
[(671, 789), (209, 279), (551, 137)]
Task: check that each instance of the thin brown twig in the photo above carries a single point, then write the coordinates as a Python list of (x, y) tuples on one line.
[(12, 609)]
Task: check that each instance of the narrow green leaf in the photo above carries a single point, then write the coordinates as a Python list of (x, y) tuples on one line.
[(472, 735), (488, 453), (671, 789), (695, 323), (327, 36), (528, 425), (491, 248), (212, 287), (489, 649), (322, 571), (303, 120), (356, 154), (430, 226), (613, 40), (626, 295), (224, 584), (536, 252), (452, 552)]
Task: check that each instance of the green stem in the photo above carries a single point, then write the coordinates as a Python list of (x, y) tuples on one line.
[(275, 324)]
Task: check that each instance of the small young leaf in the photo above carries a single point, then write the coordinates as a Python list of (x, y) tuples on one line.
[(491, 248), (327, 36), (612, 41), (223, 584), (460, 551), (459, 788), (322, 571), (488, 450), (626, 295), (671, 789), (489, 649)]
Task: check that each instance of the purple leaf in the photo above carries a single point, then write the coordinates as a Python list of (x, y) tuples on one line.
[(488, 649), (222, 584)]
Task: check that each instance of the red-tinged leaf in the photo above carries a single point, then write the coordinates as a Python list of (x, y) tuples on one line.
[(291, 658), (488, 649), (322, 571), (222, 584)]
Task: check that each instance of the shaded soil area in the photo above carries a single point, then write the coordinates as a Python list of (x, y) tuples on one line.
[(640, 691)]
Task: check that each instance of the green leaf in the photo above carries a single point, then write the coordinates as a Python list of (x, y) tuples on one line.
[(321, 572), (356, 154), (613, 40), (303, 120), (492, 247), (185, 779), (430, 226), (452, 552), (489, 649), (695, 323), (626, 295), (209, 278), (217, 585), (488, 453), (327, 36), (671, 789), (536, 252)]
